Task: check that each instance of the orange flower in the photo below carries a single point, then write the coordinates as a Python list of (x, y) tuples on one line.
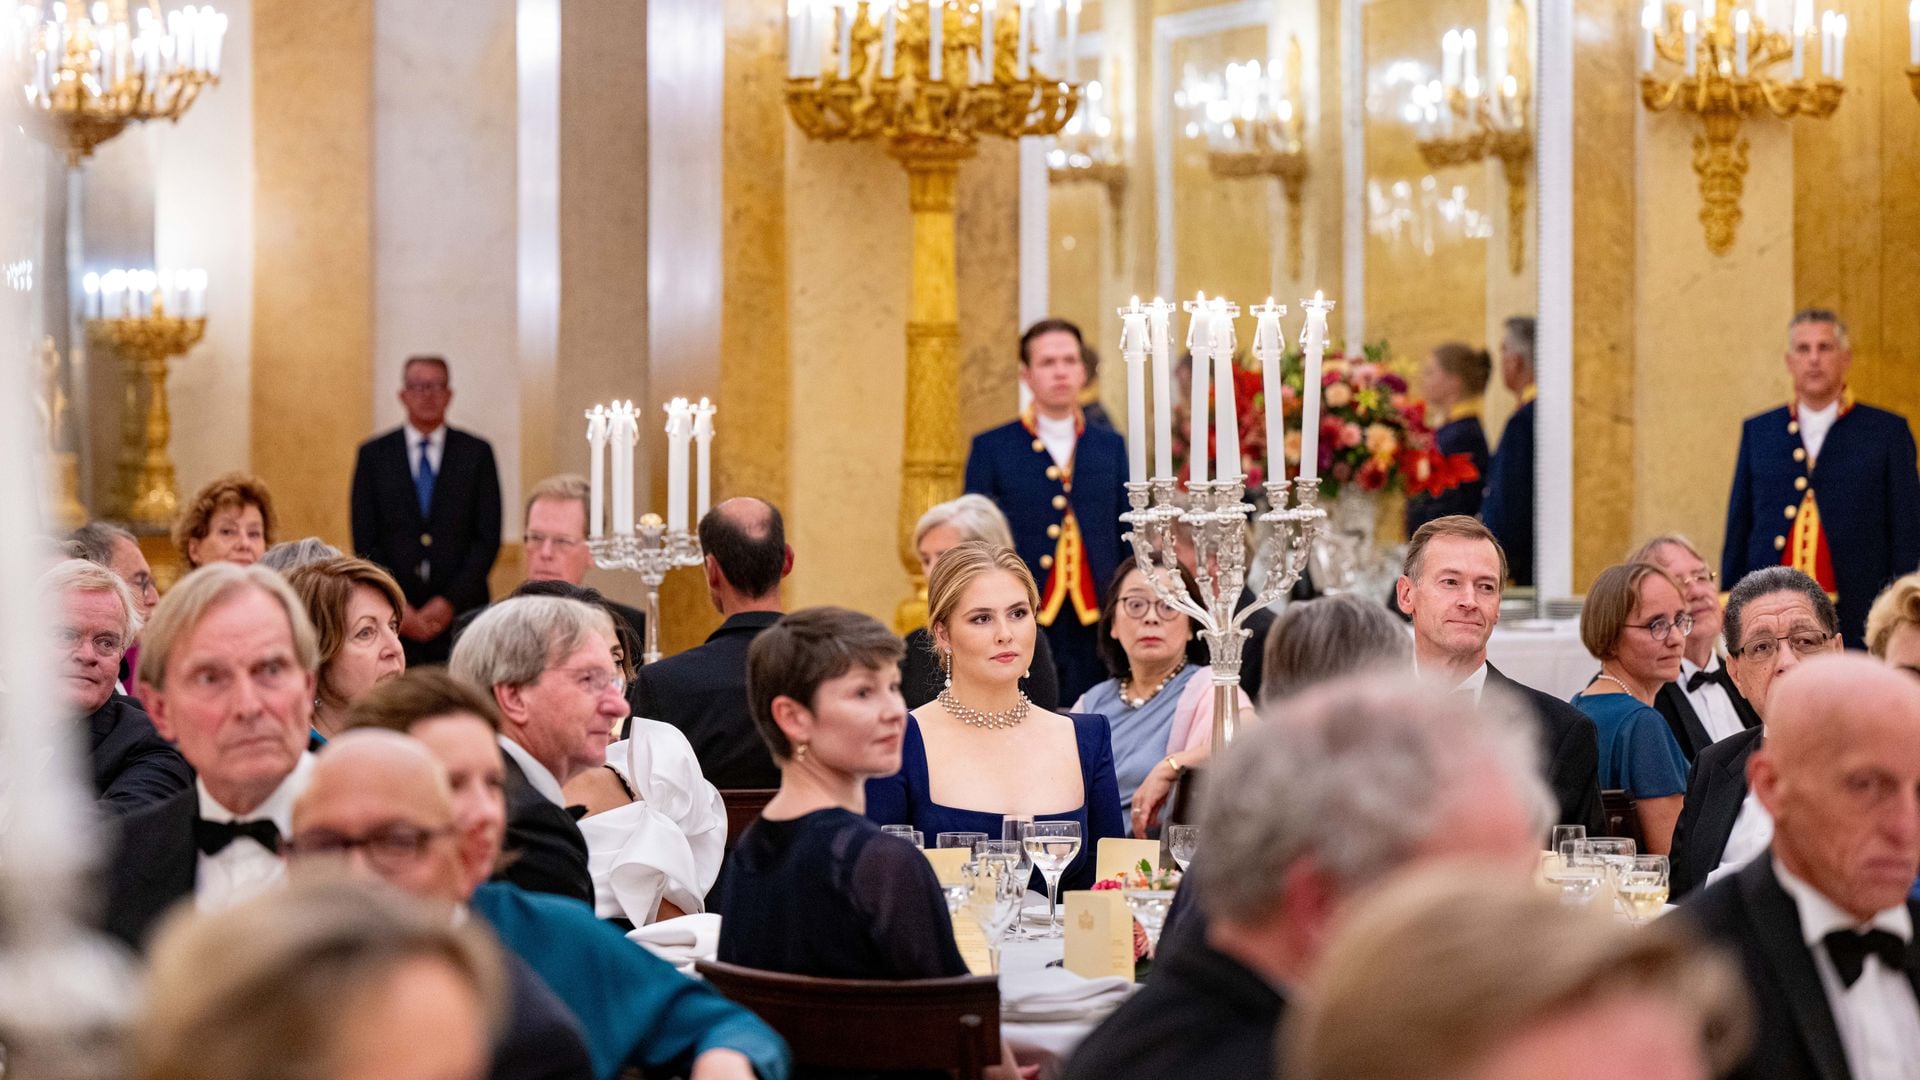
[(1338, 396)]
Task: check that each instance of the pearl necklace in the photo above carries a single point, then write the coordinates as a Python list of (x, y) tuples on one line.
[(981, 718), (1134, 703)]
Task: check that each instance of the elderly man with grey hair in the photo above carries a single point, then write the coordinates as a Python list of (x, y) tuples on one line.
[(1342, 787), (95, 619), (1776, 619), (549, 665)]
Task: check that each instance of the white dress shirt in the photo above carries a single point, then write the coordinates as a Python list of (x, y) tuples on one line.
[(1751, 836), (667, 843), (1814, 425), (244, 869), (1059, 437), (436, 446), (1711, 702), (1878, 1016), (538, 775)]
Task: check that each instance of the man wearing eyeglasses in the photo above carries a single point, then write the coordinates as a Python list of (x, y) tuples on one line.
[(426, 506), (227, 673), (1702, 706), (1776, 619), (549, 665)]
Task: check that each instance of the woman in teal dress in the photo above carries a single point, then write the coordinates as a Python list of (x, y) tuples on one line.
[(1635, 623)]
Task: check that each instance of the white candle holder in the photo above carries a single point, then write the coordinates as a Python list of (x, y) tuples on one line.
[(650, 551)]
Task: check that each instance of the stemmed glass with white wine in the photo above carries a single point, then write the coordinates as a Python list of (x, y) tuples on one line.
[(1643, 888), (1052, 845)]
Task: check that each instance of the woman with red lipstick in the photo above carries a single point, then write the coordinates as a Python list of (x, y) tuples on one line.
[(1635, 622), (1160, 699), (229, 520), (981, 750)]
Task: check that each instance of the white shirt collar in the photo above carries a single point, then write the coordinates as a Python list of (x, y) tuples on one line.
[(1820, 916), (1475, 682), (415, 437), (1821, 416), (278, 807), (538, 775), (1688, 667)]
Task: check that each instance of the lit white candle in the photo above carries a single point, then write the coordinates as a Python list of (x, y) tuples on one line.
[(596, 471), (936, 40), (1023, 18), (703, 446), (1469, 61), (1314, 341), (848, 12), (1134, 343), (1450, 59), (887, 32), (1913, 33), (796, 14), (679, 430), (1073, 37), (1839, 46), (1742, 27), (620, 425), (113, 293), (1826, 44), (987, 20), (1268, 350), (1802, 26), (1226, 410), (1497, 57), (91, 284), (1690, 32), (1159, 318), (1200, 359)]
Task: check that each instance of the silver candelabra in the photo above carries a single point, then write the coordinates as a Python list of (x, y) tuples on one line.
[(1218, 517), (650, 550)]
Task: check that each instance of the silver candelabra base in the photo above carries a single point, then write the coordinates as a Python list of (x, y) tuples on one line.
[(1217, 516), (650, 550)]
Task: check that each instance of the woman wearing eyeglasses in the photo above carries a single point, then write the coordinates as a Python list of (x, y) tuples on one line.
[(1160, 699), (1635, 622)]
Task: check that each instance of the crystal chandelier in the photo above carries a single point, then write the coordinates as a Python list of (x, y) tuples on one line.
[(87, 71)]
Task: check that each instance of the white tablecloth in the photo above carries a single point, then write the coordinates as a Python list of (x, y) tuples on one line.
[(1046, 1045), (1545, 654)]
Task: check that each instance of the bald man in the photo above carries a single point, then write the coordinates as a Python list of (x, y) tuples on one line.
[(703, 691), (383, 801), (1824, 926)]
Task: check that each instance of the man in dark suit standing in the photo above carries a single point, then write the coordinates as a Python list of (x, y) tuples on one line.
[(1777, 619), (426, 506), (549, 665), (1453, 380), (227, 667), (1703, 706), (1508, 506), (703, 691), (1823, 924), (1062, 484), (1450, 588), (1863, 529)]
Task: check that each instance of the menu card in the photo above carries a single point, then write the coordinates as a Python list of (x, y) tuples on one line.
[(947, 863), (1099, 934)]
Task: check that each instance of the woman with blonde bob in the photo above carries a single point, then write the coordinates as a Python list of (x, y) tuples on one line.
[(956, 521), (355, 607), (1893, 624), (981, 750), (1459, 973)]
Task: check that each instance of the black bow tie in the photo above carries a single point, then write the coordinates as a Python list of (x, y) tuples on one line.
[(1850, 950), (1701, 678), (212, 837)]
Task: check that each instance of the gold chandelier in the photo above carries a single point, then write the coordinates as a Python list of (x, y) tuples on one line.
[(89, 70), (1253, 125), (1461, 120)]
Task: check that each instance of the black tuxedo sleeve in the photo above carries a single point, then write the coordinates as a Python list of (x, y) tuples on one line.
[(1575, 774), (152, 773), (1682, 874), (365, 510), (467, 588)]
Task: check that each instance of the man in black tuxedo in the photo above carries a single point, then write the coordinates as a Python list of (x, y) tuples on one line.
[(703, 691), (1703, 706), (1291, 842), (1776, 619), (96, 619), (227, 668), (426, 506), (1823, 922), (1450, 587), (549, 665)]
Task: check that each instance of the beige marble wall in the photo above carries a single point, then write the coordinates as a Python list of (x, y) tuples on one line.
[(313, 298), (987, 252)]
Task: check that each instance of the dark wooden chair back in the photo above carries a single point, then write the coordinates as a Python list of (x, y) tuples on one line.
[(862, 1024), (1622, 817), (743, 809)]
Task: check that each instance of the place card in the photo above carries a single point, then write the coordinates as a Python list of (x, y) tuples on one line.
[(972, 943), (947, 863), (1116, 855), (1099, 934)]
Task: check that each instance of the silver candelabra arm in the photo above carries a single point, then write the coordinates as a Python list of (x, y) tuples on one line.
[(650, 550)]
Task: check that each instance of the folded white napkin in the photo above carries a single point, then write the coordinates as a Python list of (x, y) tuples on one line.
[(680, 941), (1056, 993)]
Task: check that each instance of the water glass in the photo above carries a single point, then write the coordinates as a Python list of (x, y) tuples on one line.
[(1615, 852), (958, 839), (1182, 842), (994, 891), (1643, 889), (1564, 839), (1051, 845), (906, 832)]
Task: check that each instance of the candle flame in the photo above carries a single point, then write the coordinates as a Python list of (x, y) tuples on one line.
[(1319, 297), (1136, 303), (1269, 301)]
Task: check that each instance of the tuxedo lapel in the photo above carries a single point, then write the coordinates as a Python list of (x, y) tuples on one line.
[(1741, 705), (1777, 933), (1913, 949), (155, 866), (1681, 717)]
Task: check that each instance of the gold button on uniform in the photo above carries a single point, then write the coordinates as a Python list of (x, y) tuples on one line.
[(1053, 472), (1059, 502), (1046, 562), (1053, 532), (426, 539), (1799, 483), (1799, 453), (1792, 510), (1039, 447), (1793, 427), (1779, 543)]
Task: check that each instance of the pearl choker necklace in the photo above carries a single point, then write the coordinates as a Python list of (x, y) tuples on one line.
[(982, 719), (1134, 703)]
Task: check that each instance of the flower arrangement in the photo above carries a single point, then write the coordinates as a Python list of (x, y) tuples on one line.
[(1373, 434)]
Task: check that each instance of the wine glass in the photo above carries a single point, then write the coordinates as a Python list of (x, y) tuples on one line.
[(1614, 852), (1643, 889), (958, 839), (1012, 828), (994, 891), (1052, 845), (906, 832), (1564, 839), (1182, 842)]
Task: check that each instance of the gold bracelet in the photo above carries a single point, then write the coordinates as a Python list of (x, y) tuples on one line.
[(1175, 766)]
